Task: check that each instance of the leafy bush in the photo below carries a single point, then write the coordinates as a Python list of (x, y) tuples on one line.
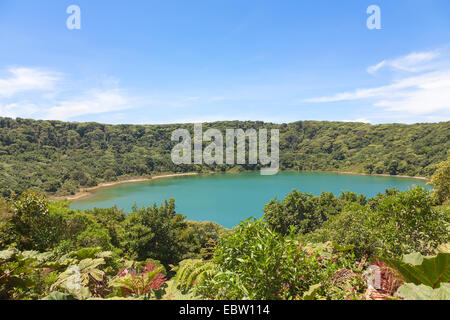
[(391, 225), (155, 233), (200, 239), (405, 222), (348, 228), (305, 212), (256, 262), (37, 228), (22, 274), (80, 280), (441, 182)]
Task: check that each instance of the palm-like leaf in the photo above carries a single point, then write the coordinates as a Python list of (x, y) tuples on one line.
[(194, 272)]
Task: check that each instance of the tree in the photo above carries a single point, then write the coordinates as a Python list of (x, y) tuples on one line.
[(404, 222), (441, 182), (391, 224), (256, 262), (37, 228), (305, 212), (155, 233)]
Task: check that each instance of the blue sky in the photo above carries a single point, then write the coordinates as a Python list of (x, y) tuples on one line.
[(192, 61)]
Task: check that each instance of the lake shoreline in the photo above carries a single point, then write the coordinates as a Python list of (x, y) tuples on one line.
[(87, 192), (377, 175)]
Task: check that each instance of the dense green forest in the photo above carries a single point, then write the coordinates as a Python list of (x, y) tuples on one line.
[(60, 157)]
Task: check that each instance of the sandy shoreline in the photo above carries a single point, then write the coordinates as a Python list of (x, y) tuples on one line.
[(378, 175), (88, 191)]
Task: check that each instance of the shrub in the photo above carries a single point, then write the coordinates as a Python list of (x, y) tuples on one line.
[(305, 212), (405, 222), (23, 274), (441, 182), (350, 228), (36, 226), (390, 225), (155, 232), (256, 262)]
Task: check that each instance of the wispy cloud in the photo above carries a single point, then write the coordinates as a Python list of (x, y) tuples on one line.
[(375, 68), (21, 109), (27, 79), (362, 120), (34, 92), (413, 62), (426, 93), (95, 102)]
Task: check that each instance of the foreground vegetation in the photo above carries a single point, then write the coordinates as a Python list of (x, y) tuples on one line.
[(306, 247), (61, 157)]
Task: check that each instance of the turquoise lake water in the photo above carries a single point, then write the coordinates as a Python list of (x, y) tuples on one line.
[(230, 198)]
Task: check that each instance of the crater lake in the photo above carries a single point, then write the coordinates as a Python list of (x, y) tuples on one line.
[(229, 199)]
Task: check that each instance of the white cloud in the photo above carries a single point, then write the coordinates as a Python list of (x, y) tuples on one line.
[(425, 94), (427, 98), (399, 88), (20, 109), (32, 92), (413, 62), (375, 68), (95, 102), (27, 79), (362, 120)]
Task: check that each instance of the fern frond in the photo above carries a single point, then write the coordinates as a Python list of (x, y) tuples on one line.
[(193, 272)]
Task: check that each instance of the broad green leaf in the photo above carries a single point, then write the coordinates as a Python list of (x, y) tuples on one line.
[(58, 296), (443, 248), (104, 254), (8, 254), (411, 291), (414, 259), (340, 248), (431, 272), (36, 255), (88, 264), (311, 293), (97, 274)]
